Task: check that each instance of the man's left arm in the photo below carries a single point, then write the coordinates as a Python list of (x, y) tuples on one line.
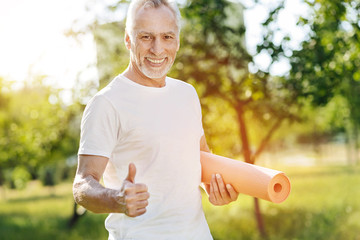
[(219, 193)]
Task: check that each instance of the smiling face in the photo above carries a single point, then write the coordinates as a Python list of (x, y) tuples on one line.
[(153, 43)]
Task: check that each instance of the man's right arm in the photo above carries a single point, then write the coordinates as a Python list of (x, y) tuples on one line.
[(131, 199)]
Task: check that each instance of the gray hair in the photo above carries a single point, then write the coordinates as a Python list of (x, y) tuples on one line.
[(135, 5)]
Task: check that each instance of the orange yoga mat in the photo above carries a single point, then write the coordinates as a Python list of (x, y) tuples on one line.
[(249, 179)]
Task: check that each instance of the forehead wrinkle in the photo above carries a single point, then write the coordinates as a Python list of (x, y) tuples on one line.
[(148, 18)]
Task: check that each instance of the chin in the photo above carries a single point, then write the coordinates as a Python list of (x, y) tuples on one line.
[(155, 74)]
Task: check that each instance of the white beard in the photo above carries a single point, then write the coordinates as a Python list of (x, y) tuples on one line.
[(154, 73)]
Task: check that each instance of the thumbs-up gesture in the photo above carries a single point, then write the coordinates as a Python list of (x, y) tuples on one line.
[(133, 196)]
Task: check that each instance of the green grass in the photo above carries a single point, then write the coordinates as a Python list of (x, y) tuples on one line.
[(43, 213), (324, 204)]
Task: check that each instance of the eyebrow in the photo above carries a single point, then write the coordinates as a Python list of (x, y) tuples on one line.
[(151, 33), (169, 33)]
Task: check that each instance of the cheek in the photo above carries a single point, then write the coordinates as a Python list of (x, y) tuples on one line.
[(173, 51), (142, 50), (136, 51), (175, 47)]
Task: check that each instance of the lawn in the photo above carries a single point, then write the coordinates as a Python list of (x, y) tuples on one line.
[(324, 204)]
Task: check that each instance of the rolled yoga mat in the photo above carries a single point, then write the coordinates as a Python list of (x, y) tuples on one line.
[(249, 179)]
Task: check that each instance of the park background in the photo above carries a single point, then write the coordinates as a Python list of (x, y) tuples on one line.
[(279, 84)]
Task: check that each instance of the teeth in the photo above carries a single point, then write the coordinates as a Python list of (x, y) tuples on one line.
[(155, 61)]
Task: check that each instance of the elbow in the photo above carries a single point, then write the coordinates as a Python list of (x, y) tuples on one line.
[(82, 197), (78, 193)]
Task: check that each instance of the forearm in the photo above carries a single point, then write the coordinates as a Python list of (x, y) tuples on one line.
[(90, 194)]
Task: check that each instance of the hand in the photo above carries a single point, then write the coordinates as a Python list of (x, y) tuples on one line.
[(133, 197), (219, 194)]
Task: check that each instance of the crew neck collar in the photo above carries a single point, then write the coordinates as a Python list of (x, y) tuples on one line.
[(147, 88)]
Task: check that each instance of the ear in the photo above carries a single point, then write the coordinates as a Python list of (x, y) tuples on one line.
[(127, 40)]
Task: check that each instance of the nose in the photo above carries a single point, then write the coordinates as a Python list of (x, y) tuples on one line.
[(157, 47)]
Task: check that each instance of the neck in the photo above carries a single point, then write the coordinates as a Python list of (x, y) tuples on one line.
[(135, 75)]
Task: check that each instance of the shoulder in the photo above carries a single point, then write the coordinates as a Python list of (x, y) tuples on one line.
[(103, 100), (179, 84), (109, 93), (99, 99), (111, 89)]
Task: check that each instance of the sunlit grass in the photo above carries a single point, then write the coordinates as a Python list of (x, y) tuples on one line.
[(323, 204), (44, 213)]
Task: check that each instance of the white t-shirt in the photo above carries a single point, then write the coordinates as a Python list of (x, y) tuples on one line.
[(159, 130)]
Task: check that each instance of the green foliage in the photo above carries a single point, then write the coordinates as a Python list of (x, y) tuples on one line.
[(52, 174), (319, 124), (328, 62), (35, 131), (212, 53), (219, 120), (112, 55), (326, 67), (214, 59), (17, 178)]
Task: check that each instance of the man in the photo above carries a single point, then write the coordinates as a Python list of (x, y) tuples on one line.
[(146, 128)]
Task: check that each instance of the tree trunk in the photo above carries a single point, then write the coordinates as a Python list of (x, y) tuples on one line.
[(249, 159), (78, 211), (259, 219), (266, 140), (243, 133)]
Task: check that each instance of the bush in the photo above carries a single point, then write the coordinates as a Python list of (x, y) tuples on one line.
[(51, 174), (17, 178)]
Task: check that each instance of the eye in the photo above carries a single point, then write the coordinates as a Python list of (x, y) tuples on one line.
[(168, 37), (146, 37)]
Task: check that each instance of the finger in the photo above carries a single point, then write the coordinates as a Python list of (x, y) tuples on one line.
[(143, 196), (136, 208), (222, 189), (140, 211), (140, 187), (216, 189), (212, 197), (135, 212), (142, 204), (233, 194), (133, 189), (131, 174)]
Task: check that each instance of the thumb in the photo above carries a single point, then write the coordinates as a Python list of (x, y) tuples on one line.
[(131, 174)]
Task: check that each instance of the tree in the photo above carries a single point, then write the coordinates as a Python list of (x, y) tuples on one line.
[(113, 57), (328, 64), (36, 130), (213, 57)]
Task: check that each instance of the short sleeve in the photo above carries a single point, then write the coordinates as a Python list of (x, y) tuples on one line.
[(100, 128), (198, 111), (200, 119)]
